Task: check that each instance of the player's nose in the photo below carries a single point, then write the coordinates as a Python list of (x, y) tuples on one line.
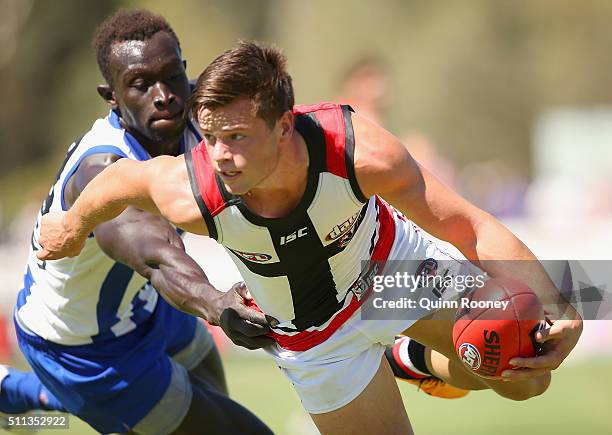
[(163, 96), (221, 152)]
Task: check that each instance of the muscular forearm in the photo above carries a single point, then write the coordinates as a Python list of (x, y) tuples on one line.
[(500, 253), (480, 237), (108, 195), (182, 283)]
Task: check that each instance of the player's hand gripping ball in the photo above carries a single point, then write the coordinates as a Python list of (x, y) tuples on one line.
[(487, 338)]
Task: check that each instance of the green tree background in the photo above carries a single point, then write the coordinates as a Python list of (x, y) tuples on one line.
[(471, 74)]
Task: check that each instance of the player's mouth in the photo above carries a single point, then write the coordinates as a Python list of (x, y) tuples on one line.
[(229, 175), (167, 118)]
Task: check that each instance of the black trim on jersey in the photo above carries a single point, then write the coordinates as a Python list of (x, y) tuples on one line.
[(349, 152), (49, 200), (193, 181), (46, 205), (228, 198), (195, 132), (310, 129), (375, 232)]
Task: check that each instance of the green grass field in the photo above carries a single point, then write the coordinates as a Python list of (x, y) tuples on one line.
[(579, 401)]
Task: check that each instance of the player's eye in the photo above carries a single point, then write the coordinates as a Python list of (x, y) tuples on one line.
[(209, 138), (140, 85), (176, 77), (237, 136)]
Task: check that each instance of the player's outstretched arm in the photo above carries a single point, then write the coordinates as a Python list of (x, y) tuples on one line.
[(159, 186), (384, 167), (151, 246)]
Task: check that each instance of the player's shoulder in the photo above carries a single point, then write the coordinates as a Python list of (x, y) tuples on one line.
[(382, 162), (374, 144), (107, 136), (105, 131)]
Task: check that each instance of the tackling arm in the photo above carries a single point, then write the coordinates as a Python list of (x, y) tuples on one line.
[(151, 246), (159, 186)]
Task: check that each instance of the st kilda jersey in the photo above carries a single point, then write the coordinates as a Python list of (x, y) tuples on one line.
[(304, 269)]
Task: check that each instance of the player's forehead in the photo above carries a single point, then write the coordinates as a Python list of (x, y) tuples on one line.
[(239, 114), (153, 53)]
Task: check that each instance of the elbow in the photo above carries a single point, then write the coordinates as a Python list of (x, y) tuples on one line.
[(465, 232)]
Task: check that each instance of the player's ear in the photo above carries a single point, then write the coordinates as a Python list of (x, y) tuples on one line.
[(286, 125), (107, 94)]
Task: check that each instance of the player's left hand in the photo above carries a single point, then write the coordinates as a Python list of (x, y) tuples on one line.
[(557, 342), (58, 239)]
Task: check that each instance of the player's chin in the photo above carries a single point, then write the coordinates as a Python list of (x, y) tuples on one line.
[(168, 129), (235, 189)]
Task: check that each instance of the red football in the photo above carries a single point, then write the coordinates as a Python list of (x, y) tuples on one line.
[(496, 323)]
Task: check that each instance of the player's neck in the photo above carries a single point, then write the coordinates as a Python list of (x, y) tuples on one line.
[(169, 147)]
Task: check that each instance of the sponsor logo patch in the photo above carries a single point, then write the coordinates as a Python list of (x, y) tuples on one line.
[(343, 228), (253, 256), (428, 276), (363, 284), (429, 267)]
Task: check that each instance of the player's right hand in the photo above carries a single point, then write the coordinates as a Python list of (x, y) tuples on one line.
[(245, 326), (57, 239)]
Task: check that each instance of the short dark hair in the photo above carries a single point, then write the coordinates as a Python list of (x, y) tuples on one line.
[(126, 25), (248, 70)]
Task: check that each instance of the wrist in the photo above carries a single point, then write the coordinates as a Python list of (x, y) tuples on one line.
[(75, 226), (208, 304), (215, 306)]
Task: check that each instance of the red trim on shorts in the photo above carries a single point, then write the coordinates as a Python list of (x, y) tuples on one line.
[(207, 181), (306, 339)]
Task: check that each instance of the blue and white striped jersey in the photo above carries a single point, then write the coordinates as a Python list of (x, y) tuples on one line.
[(91, 297)]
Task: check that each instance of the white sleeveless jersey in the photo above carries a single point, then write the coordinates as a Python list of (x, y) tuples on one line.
[(304, 269), (91, 297)]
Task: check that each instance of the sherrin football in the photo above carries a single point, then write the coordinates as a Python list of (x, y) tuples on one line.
[(486, 339)]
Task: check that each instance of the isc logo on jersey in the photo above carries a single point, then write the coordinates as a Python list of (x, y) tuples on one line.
[(253, 256), (294, 236), (469, 355)]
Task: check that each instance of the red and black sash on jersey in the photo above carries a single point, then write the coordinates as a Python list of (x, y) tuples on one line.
[(328, 132)]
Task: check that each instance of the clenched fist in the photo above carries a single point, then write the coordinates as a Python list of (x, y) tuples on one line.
[(58, 238)]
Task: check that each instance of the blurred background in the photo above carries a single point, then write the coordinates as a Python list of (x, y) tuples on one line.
[(508, 102)]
